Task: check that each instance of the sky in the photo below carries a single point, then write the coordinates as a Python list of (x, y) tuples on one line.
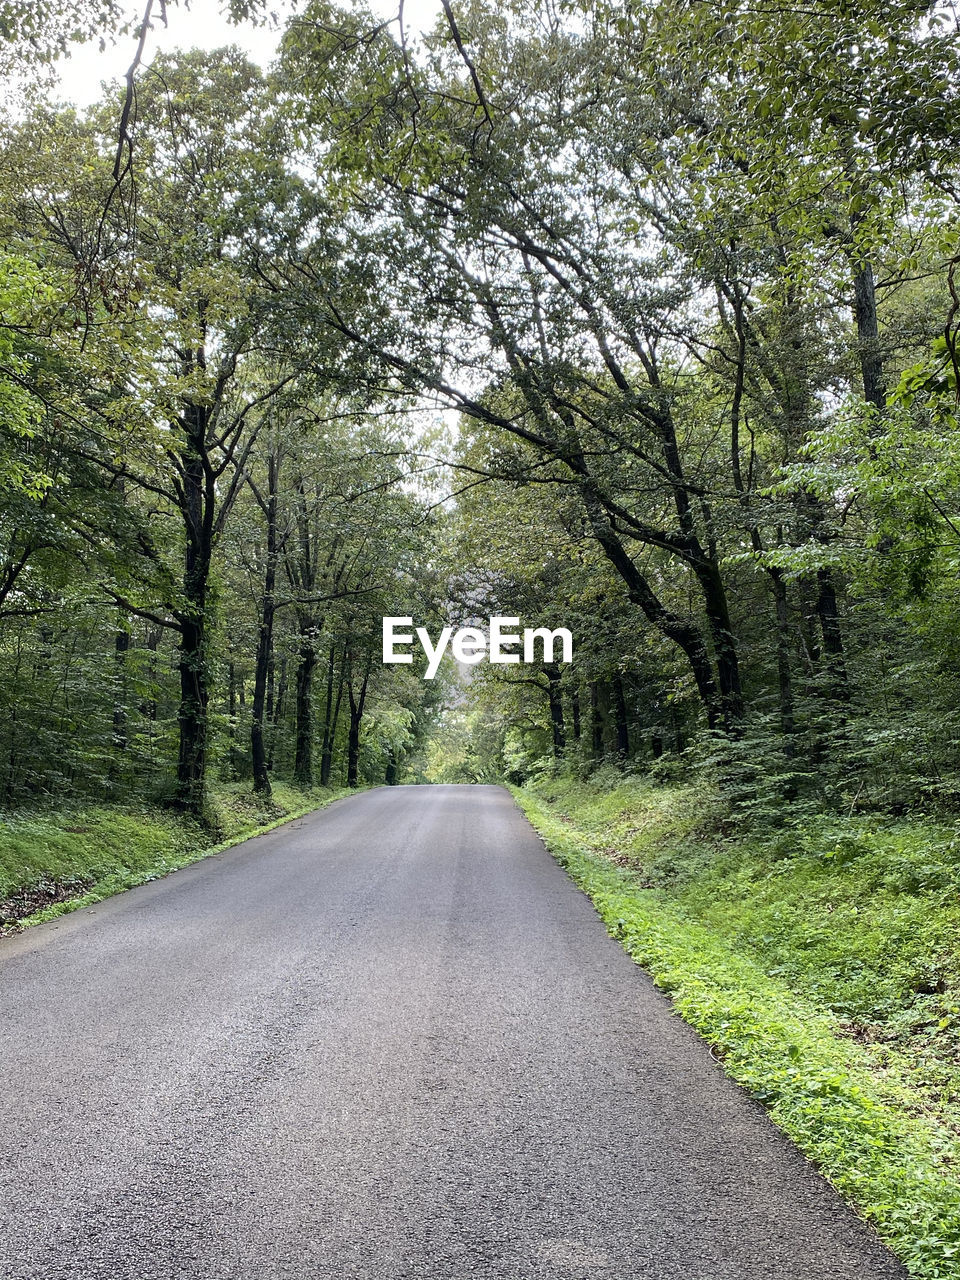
[(201, 26)]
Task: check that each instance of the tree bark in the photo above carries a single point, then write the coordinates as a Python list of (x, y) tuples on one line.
[(331, 718), (868, 336), (620, 718), (303, 572), (197, 490), (261, 773), (357, 701), (276, 720), (784, 672), (555, 697), (596, 721), (306, 665), (121, 647), (833, 656), (192, 718), (684, 633), (724, 643)]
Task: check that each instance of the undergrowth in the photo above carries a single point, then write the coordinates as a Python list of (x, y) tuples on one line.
[(820, 961)]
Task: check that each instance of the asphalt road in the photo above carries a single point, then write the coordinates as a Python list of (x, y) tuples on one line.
[(389, 1041)]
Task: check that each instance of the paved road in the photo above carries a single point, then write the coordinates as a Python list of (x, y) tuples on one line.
[(390, 1041)]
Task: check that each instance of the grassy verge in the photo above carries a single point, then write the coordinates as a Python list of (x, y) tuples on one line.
[(813, 960), (57, 862)]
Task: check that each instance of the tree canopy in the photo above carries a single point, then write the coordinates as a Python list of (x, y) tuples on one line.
[(639, 319)]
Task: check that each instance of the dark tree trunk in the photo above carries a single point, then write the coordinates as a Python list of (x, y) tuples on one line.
[(729, 709), (192, 717), (809, 626), (620, 718), (236, 754), (11, 728), (596, 721), (357, 700), (121, 647), (575, 714), (198, 489), (677, 725), (232, 696), (784, 672), (724, 643), (306, 665), (261, 773), (684, 633), (829, 615), (556, 710), (279, 710), (302, 571), (331, 718), (868, 336), (148, 707), (353, 745)]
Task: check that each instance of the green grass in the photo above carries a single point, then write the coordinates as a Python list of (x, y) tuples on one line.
[(70, 859), (820, 961)]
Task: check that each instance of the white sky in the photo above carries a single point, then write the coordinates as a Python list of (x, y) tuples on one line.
[(201, 26)]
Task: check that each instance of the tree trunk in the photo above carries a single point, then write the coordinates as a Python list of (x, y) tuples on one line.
[(682, 632), (197, 506), (279, 710), (232, 696), (575, 714), (302, 572), (357, 700), (121, 647), (261, 773), (306, 664), (148, 707), (724, 643), (556, 710), (620, 718), (331, 718), (784, 673), (237, 756), (833, 657), (271, 675), (596, 721), (868, 336), (192, 717)]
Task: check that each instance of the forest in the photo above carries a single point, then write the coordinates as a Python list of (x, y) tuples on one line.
[(639, 318)]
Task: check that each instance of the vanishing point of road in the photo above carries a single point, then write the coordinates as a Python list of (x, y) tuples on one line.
[(389, 1041)]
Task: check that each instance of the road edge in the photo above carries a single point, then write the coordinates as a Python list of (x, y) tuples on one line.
[(165, 865)]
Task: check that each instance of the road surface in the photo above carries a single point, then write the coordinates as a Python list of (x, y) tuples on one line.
[(388, 1041)]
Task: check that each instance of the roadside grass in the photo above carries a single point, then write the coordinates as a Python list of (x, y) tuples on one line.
[(57, 862), (819, 961)]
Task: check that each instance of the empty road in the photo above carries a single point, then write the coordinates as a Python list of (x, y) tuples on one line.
[(388, 1041)]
